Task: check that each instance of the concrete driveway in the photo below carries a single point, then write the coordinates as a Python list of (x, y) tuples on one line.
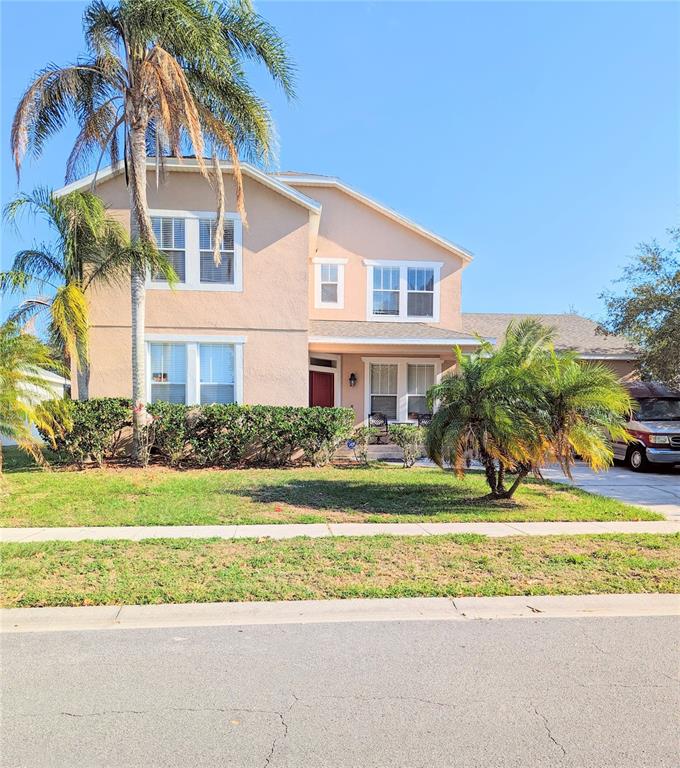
[(658, 491)]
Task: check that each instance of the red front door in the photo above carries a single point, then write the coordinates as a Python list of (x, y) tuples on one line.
[(321, 389)]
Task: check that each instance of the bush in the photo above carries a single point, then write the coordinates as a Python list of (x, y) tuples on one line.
[(170, 431), (211, 435), (409, 438), (362, 437), (95, 431)]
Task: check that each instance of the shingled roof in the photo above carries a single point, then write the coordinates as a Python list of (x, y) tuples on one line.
[(364, 331), (571, 332)]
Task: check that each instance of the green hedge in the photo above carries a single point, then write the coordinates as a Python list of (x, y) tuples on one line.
[(210, 435)]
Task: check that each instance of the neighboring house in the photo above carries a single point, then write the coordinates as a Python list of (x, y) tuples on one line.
[(58, 387), (325, 298), (572, 332)]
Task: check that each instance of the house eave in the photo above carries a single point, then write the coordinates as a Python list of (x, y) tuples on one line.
[(190, 165), (375, 341)]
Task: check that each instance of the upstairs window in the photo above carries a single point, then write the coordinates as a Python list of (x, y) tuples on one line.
[(420, 292), (403, 290), (329, 283), (386, 291), (170, 238), (210, 272)]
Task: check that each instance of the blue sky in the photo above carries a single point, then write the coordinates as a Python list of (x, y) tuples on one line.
[(541, 136)]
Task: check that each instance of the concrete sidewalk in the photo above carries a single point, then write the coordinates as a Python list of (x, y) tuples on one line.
[(317, 530), (99, 617)]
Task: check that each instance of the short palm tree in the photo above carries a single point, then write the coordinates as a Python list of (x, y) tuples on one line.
[(522, 405), (159, 75), (26, 397), (587, 408), (85, 250)]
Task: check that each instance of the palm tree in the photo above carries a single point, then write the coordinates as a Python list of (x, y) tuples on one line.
[(523, 405), (159, 75), (587, 408), (26, 397), (489, 406), (85, 251)]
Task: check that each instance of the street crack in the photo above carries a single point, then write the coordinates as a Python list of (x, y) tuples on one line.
[(549, 732)]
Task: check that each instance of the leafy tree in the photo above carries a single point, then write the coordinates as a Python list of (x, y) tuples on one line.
[(159, 75), (522, 405), (648, 310), (85, 250), (26, 397)]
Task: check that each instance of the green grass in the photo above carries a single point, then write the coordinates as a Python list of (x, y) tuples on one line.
[(379, 493), (209, 570)]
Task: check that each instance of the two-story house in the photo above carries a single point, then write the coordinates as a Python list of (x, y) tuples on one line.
[(326, 297)]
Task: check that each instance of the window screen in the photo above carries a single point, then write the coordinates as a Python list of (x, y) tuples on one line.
[(386, 290), (329, 283), (420, 298)]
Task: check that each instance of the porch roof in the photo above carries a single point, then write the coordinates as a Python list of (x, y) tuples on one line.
[(372, 332)]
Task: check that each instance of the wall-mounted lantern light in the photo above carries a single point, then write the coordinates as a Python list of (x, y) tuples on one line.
[(352, 379)]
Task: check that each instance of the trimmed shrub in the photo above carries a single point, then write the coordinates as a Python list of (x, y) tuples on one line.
[(410, 439), (170, 431), (96, 427), (362, 437), (210, 435)]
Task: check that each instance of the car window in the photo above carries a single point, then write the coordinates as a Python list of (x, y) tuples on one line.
[(659, 409)]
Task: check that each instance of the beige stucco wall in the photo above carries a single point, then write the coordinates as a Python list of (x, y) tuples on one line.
[(352, 230), (626, 370), (274, 364), (271, 311)]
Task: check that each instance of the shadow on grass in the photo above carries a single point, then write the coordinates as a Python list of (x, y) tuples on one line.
[(14, 461), (371, 498)]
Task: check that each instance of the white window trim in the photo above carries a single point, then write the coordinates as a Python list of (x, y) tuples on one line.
[(193, 382), (402, 381), (404, 266), (336, 371), (340, 264), (192, 257)]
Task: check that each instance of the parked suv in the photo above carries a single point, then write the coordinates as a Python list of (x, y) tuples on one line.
[(655, 427)]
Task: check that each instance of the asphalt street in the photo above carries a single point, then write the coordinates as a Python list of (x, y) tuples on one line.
[(513, 692)]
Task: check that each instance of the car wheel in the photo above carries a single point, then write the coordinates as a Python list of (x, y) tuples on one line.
[(636, 458)]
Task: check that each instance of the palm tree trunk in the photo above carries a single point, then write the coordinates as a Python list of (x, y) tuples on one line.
[(521, 474), (141, 227), (83, 381)]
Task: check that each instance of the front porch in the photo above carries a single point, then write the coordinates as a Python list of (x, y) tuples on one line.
[(380, 368)]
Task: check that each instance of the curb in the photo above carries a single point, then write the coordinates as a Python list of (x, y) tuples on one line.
[(20, 620)]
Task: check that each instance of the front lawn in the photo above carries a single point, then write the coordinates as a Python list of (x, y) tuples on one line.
[(190, 570), (379, 493)]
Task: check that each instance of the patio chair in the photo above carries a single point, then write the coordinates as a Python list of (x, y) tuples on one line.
[(378, 420)]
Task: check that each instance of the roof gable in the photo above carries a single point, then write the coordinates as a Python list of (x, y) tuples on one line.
[(311, 180), (173, 164)]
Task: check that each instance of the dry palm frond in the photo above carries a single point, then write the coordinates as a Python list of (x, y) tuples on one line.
[(218, 231)]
